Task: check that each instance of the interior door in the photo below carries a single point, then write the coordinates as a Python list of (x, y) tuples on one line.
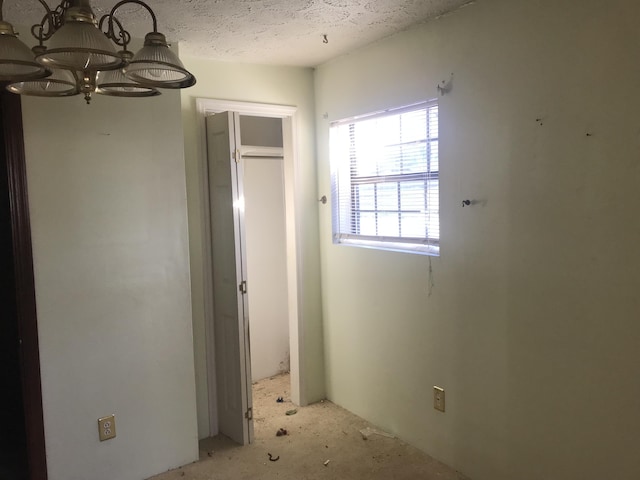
[(231, 313)]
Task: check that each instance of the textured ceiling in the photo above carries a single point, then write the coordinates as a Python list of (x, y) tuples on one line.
[(282, 32)]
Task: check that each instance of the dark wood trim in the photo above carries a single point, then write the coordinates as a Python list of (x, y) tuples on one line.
[(25, 286)]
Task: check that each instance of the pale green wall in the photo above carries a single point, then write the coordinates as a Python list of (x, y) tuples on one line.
[(107, 200), (260, 84), (532, 326)]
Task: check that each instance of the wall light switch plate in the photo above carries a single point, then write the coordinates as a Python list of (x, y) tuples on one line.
[(438, 398), (107, 427)]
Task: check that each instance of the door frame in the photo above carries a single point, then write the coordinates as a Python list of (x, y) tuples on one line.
[(24, 284), (288, 114)]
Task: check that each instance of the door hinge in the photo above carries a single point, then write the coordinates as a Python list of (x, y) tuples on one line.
[(249, 414), (236, 156), (243, 287)]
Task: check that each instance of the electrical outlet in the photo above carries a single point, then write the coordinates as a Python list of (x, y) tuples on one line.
[(107, 427), (438, 398)]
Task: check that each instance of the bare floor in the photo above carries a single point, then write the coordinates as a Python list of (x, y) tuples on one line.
[(323, 441)]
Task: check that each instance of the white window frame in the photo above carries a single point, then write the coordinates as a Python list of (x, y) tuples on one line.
[(342, 181)]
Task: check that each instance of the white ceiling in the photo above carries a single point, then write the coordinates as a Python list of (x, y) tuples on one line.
[(282, 32)]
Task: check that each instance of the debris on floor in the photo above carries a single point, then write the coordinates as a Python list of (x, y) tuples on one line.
[(272, 458), (326, 462), (367, 432), (281, 432), (280, 400), (320, 430), (292, 412)]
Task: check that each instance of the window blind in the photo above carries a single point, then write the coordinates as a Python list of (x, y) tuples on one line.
[(385, 179)]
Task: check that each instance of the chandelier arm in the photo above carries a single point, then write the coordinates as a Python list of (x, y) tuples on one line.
[(123, 38), (111, 16), (51, 19), (46, 6)]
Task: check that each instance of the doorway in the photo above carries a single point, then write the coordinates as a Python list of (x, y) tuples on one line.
[(13, 440), (22, 445), (260, 162), (266, 244)]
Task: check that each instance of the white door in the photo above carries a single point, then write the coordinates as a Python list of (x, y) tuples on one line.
[(231, 319)]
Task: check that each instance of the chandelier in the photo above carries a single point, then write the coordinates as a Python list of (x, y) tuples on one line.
[(77, 54)]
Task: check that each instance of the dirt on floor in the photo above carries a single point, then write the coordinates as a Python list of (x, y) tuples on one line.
[(322, 441)]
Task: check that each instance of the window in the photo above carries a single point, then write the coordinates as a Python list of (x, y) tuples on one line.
[(385, 182)]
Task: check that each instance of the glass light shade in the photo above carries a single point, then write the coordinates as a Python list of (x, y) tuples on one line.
[(80, 46), (61, 83), (156, 65), (116, 84), (17, 62)]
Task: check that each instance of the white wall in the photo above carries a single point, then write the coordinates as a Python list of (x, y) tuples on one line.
[(109, 224), (532, 327), (266, 245), (261, 84)]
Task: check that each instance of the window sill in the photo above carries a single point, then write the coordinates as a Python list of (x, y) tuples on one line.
[(419, 249)]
